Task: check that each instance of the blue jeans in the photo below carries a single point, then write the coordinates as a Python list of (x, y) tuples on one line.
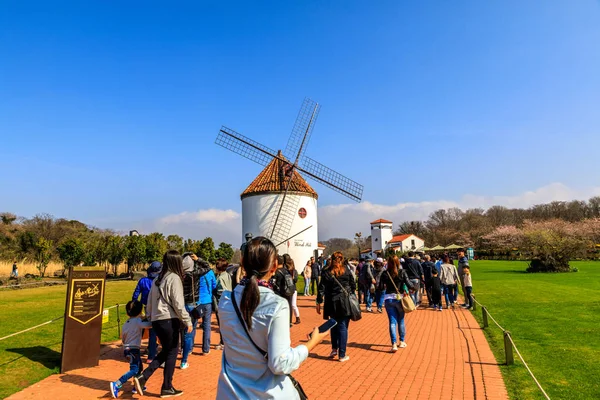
[(417, 287), (206, 312), (306, 286), (368, 295), (188, 338), (449, 294), (339, 336), (395, 314), (468, 297), (135, 366), (379, 298)]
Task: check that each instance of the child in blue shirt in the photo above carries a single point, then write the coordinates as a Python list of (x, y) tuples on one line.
[(131, 334)]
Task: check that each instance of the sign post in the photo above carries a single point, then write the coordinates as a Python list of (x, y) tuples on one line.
[(83, 318)]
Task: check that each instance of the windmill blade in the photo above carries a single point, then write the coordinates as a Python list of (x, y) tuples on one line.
[(280, 224), (246, 147), (305, 122), (331, 179)]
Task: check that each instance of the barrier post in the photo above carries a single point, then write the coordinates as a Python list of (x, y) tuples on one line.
[(508, 350), (484, 313), (118, 321)]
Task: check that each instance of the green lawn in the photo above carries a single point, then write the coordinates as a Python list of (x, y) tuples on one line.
[(553, 319), (32, 356)]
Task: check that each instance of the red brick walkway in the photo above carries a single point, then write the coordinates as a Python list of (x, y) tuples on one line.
[(447, 358)]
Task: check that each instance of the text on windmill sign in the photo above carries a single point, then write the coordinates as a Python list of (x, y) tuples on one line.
[(302, 243)]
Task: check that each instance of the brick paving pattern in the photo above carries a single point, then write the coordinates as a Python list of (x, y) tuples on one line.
[(447, 358)]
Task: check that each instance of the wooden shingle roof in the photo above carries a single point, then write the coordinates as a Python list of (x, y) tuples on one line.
[(274, 179)]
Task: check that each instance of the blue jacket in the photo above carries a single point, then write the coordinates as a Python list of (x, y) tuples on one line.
[(143, 287), (208, 283)]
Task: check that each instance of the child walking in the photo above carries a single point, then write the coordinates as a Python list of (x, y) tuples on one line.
[(131, 334), (468, 282), (436, 291)]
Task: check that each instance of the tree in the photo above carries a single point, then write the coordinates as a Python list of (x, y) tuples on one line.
[(416, 228), (7, 218), (43, 254), (554, 243), (136, 252), (116, 252), (71, 252), (224, 251), (156, 246), (207, 250), (175, 242)]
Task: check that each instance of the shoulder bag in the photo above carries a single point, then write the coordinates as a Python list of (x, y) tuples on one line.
[(296, 384), (354, 306)]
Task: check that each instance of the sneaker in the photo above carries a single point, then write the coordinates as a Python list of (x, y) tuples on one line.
[(164, 393), (140, 384), (184, 365), (380, 310), (297, 321), (205, 354), (333, 354), (440, 309), (162, 365), (344, 359), (394, 348), (114, 390), (369, 309), (134, 390), (219, 347), (402, 345)]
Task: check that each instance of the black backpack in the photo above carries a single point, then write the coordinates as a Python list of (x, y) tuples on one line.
[(289, 287)]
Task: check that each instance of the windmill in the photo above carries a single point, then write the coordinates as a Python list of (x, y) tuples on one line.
[(284, 169)]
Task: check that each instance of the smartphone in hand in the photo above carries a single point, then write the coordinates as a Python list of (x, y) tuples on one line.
[(326, 326)]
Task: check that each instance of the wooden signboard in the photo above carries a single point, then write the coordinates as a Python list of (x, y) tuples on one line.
[(83, 318)]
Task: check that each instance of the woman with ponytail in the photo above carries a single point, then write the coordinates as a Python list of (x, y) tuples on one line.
[(255, 326), (337, 282)]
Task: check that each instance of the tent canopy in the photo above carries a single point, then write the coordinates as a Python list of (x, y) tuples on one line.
[(452, 247), (436, 248)]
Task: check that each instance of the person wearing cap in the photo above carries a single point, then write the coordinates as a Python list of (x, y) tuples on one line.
[(379, 290), (143, 288)]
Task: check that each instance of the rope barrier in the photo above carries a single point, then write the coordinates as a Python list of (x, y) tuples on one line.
[(529, 370), (514, 346), (54, 320), (32, 328), (52, 283)]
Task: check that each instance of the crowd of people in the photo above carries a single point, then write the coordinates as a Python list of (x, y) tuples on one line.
[(255, 305)]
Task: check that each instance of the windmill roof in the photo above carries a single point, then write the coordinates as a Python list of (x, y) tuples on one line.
[(273, 179)]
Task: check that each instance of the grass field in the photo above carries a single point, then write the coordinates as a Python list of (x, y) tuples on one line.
[(32, 356), (554, 321)]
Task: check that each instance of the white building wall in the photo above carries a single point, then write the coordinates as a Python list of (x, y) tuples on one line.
[(257, 212)]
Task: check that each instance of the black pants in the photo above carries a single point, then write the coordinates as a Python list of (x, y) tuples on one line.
[(314, 285), (428, 287), (168, 331)]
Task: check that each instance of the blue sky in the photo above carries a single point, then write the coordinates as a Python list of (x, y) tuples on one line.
[(109, 111)]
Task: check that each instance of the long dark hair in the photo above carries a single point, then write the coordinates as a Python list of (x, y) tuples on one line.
[(337, 264), (288, 263), (172, 262), (259, 255), (393, 266)]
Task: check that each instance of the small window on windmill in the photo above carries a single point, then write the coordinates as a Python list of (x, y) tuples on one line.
[(376, 239), (302, 212)]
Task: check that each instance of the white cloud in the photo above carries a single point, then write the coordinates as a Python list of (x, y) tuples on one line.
[(343, 220)]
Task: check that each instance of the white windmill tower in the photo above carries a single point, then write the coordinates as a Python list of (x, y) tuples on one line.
[(279, 203)]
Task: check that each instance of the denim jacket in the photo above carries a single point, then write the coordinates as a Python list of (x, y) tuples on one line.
[(245, 373)]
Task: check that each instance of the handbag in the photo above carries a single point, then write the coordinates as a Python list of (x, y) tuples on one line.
[(296, 384), (353, 304), (407, 303)]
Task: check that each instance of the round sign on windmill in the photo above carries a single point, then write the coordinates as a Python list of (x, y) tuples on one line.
[(279, 203)]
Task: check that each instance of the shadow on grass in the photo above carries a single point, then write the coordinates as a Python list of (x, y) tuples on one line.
[(47, 357), (507, 271)]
